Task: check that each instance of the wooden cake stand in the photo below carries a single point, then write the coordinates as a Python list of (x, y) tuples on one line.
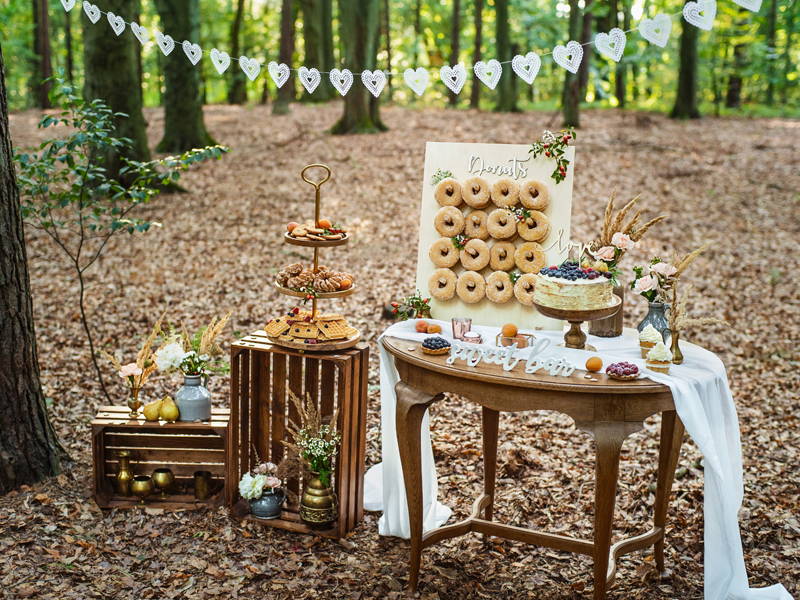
[(574, 337)]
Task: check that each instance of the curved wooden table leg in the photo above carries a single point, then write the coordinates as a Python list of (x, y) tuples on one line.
[(491, 420), (410, 410), (669, 450)]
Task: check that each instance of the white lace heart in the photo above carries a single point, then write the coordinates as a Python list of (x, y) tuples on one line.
[(753, 5), (278, 72), (488, 72), (341, 80), (453, 77), (417, 79), (701, 14), (526, 67), (165, 42), (310, 78), (91, 11), (221, 60), (140, 32), (611, 44), (374, 81), (117, 23), (569, 56), (192, 51), (250, 66), (68, 4), (656, 30)]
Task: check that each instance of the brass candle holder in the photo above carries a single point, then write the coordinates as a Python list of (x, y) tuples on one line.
[(202, 484), (163, 480), (142, 487)]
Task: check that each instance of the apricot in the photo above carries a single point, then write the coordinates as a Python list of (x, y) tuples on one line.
[(291, 225), (422, 326), (433, 328), (345, 284), (594, 364), (509, 330), (325, 223)]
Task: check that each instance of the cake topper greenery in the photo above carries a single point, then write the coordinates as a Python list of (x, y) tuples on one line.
[(554, 145)]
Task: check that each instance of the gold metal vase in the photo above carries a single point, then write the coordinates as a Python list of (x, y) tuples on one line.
[(318, 503), (675, 348), (124, 474)]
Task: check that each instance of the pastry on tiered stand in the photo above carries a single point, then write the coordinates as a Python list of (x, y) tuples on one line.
[(299, 329)]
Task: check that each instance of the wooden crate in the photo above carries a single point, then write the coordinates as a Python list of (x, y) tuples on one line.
[(261, 376), (182, 447)]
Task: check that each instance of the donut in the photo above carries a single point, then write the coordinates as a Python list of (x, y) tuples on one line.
[(474, 255), (475, 225), (505, 193), (499, 288), (470, 287), (449, 221), (443, 253), (535, 227), (534, 195), (475, 192), (501, 256), (442, 284), (529, 257), (448, 192), (501, 224), (523, 289)]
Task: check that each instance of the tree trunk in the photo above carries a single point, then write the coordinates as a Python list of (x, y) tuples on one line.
[(417, 31), (455, 46), (477, 19), (787, 50), (586, 37), (286, 93), (571, 95), (136, 16), (237, 86), (506, 93), (110, 74), (314, 42), (358, 22), (733, 95), (42, 55), (772, 20), (686, 98), (387, 28), (328, 61), (622, 67), (68, 43), (29, 451)]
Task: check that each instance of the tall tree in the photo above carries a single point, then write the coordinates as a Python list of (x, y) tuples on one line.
[(285, 54), (733, 95), (772, 25), (455, 46), (70, 66), (184, 128), (586, 37), (417, 30), (29, 450), (237, 88), (686, 98), (42, 54), (387, 30), (477, 19), (318, 42), (571, 95), (622, 67), (358, 22), (506, 92), (787, 48)]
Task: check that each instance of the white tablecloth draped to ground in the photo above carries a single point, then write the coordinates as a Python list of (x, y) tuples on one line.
[(703, 401)]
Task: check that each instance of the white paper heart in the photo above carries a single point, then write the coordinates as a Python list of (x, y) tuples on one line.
[(611, 44), (488, 72), (192, 51), (68, 4), (526, 67), (165, 42), (753, 5), (250, 66), (140, 32), (417, 80), (656, 30), (569, 56), (341, 80), (117, 23), (310, 78), (374, 81), (221, 60), (91, 11), (278, 72), (453, 77), (701, 14)]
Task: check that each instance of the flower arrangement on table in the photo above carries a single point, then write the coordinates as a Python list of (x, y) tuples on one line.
[(197, 354), (659, 278), (412, 307)]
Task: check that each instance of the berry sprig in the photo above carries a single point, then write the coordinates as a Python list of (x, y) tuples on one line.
[(459, 241), (412, 307), (521, 213), (310, 293), (554, 145)]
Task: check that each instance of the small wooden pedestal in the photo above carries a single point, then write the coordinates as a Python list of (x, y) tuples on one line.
[(261, 376)]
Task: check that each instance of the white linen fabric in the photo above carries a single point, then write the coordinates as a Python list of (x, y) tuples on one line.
[(703, 401)]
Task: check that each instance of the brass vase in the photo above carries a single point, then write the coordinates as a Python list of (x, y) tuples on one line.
[(675, 348), (134, 403), (163, 480), (124, 474), (318, 503), (142, 487)]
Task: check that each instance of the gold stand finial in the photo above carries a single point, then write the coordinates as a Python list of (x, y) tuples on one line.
[(317, 185)]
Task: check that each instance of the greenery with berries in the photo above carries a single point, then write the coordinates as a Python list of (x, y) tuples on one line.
[(554, 145), (520, 213), (309, 291), (412, 307), (459, 241), (439, 175)]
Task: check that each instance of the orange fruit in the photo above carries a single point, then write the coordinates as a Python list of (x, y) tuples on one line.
[(509, 330), (594, 364), (345, 283), (290, 226), (422, 326), (325, 223), (433, 328)]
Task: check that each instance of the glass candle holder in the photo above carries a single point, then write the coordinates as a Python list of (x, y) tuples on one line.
[(461, 325)]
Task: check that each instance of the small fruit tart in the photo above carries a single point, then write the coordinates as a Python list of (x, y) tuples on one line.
[(435, 345), (624, 371)]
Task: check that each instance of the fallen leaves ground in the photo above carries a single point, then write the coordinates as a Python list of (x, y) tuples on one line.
[(734, 182)]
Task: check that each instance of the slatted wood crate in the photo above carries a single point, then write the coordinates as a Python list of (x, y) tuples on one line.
[(182, 447), (261, 376)]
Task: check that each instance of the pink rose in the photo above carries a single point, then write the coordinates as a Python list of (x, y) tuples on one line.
[(663, 268), (645, 284), (622, 241), (130, 370), (273, 482), (605, 253)]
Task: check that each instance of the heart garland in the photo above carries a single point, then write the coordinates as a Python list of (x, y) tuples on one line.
[(140, 32), (374, 81), (117, 23), (656, 30), (192, 51), (91, 11), (701, 14), (221, 60), (453, 77), (68, 4), (417, 79), (569, 56), (753, 5), (250, 66), (341, 80), (526, 67), (488, 72), (278, 72), (310, 78), (165, 42), (611, 44)]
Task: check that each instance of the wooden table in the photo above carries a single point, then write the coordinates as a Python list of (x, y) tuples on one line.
[(609, 410)]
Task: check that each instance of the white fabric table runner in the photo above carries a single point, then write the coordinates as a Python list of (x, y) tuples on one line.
[(702, 400)]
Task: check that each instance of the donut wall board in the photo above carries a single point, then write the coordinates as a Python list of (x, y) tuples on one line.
[(490, 213)]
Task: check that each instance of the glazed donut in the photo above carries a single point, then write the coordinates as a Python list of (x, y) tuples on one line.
[(443, 253), (449, 221), (474, 255), (534, 195), (529, 257), (448, 192), (442, 284), (523, 289), (499, 288), (501, 224), (534, 228), (501, 256), (470, 287), (505, 193), (475, 225), (475, 192)]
